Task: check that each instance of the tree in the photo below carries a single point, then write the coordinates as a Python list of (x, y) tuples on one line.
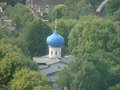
[(14, 2), (64, 79), (2, 33), (6, 48), (116, 87), (83, 8), (78, 8), (91, 71), (58, 12), (112, 6), (87, 72), (11, 60), (112, 9), (19, 14), (116, 15), (74, 2), (95, 46), (26, 79), (90, 35), (32, 39)]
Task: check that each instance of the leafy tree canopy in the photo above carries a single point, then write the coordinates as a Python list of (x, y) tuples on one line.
[(116, 87), (96, 49), (74, 2), (112, 6), (25, 79), (14, 2), (11, 60), (33, 39), (59, 11), (19, 14), (116, 15), (78, 8), (90, 35), (2, 33), (112, 10), (87, 72)]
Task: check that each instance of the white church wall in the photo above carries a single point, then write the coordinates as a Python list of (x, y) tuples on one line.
[(54, 52)]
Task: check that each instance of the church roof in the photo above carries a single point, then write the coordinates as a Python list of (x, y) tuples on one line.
[(49, 61), (50, 65), (55, 40)]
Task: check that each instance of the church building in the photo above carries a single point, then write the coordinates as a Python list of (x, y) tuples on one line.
[(52, 63)]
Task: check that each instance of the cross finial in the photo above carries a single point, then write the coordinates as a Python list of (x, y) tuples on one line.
[(55, 23)]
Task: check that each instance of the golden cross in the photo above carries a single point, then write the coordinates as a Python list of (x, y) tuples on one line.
[(56, 24)]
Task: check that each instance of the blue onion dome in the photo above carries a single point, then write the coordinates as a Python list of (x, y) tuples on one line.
[(55, 40)]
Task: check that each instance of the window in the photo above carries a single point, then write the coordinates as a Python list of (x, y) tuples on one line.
[(56, 52), (42, 64)]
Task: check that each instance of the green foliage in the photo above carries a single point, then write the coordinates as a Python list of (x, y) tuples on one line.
[(11, 60), (2, 33), (83, 8), (32, 39), (64, 79), (78, 8), (96, 49), (112, 6), (116, 15), (1, 88), (74, 2), (9, 11), (87, 72), (13, 2), (91, 71), (6, 48), (26, 79), (19, 14), (113, 9), (90, 35), (58, 12), (117, 87)]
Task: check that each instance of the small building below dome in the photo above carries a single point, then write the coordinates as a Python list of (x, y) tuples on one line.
[(52, 63), (55, 40), (51, 66)]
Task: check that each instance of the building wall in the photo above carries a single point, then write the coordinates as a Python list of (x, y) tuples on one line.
[(45, 5), (54, 52)]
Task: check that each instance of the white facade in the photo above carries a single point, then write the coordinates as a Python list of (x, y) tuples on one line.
[(54, 52)]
